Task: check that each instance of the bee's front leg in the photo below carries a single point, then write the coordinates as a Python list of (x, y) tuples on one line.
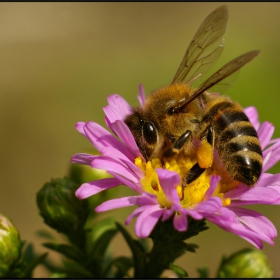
[(178, 144)]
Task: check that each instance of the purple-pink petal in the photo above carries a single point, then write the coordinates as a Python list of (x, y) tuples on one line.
[(141, 97), (255, 221), (265, 133), (147, 221), (94, 187), (147, 199), (136, 213), (117, 109), (245, 232), (117, 203), (210, 205), (111, 165), (214, 180), (83, 158), (136, 186), (255, 195), (168, 181), (124, 133), (167, 213), (180, 222), (274, 157), (192, 213), (118, 156), (80, 127), (221, 217), (253, 116), (99, 136), (267, 179)]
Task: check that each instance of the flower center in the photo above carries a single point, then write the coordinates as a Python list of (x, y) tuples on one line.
[(190, 195)]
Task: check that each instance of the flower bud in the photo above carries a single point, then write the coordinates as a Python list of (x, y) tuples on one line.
[(59, 206), (10, 246), (246, 263)]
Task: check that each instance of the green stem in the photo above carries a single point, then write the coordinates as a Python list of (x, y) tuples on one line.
[(168, 245), (161, 256)]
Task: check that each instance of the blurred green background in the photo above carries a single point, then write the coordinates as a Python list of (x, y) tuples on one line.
[(59, 62)]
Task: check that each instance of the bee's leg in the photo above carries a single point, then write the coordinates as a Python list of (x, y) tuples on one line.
[(204, 158), (202, 100), (205, 152), (193, 174), (178, 144)]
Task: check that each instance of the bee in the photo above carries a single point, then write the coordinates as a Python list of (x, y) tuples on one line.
[(177, 114)]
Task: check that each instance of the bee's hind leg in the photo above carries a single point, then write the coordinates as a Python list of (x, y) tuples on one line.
[(204, 158), (193, 174), (178, 144), (205, 152)]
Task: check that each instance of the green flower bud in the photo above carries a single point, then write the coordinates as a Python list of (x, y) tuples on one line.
[(10, 246), (246, 263), (60, 208)]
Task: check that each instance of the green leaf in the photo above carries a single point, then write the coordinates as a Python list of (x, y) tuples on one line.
[(123, 264), (178, 270), (67, 250), (203, 272), (45, 234), (69, 269), (101, 226), (76, 270), (144, 244), (101, 244), (27, 268), (28, 253), (190, 247)]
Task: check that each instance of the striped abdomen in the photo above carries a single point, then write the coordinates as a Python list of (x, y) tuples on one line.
[(236, 141)]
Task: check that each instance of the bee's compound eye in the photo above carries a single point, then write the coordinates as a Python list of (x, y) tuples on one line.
[(171, 111), (150, 133)]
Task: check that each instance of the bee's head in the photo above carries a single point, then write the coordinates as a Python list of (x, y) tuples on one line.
[(147, 134)]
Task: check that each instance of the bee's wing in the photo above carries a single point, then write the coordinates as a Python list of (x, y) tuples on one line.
[(221, 74), (205, 48)]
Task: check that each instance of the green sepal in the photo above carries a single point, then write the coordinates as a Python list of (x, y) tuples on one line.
[(181, 273), (203, 272)]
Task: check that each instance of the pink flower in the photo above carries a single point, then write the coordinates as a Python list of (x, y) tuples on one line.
[(121, 157)]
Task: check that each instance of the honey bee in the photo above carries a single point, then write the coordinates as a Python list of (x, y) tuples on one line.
[(174, 115)]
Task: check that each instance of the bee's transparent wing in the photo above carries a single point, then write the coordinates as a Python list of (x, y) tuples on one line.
[(223, 73), (205, 48), (225, 84)]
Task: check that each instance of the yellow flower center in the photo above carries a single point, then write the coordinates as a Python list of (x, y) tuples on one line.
[(192, 193)]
